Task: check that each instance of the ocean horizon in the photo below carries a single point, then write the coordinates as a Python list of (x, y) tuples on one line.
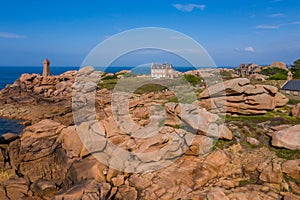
[(11, 73)]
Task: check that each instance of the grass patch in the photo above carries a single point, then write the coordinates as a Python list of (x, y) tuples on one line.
[(151, 87), (223, 144), (5, 175), (293, 101), (276, 117), (249, 118), (288, 178), (162, 123), (243, 183), (172, 99), (286, 153), (108, 84)]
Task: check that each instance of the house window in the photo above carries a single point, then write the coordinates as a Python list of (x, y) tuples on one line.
[(296, 93), (287, 92)]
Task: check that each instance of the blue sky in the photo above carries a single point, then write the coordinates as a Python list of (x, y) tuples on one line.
[(231, 31)]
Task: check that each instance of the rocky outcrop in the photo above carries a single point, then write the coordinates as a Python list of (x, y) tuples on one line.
[(50, 162), (296, 110), (173, 154), (37, 154), (33, 98), (292, 168), (287, 138), (34, 88), (237, 96), (258, 77)]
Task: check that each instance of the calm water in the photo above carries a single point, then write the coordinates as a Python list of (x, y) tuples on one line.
[(10, 126), (9, 74)]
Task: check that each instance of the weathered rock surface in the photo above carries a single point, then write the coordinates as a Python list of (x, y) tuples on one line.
[(287, 138), (292, 168), (237, 96), (33, 98), (296, 110), (49, 160), (53, 168)]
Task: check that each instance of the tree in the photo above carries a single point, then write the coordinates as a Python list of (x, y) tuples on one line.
[(296, 69)]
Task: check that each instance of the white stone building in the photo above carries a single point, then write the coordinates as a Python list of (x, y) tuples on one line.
[(165, 71)]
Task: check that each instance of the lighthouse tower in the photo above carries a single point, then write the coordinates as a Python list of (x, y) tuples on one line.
[(46, 67)]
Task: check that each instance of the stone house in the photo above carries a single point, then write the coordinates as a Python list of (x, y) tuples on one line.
[(165, 70), (248, 69), (291, 89)]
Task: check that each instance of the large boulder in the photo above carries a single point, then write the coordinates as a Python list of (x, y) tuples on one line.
[(296, 110), (37, 154), (238, 96), (292, 168), (287, 138)]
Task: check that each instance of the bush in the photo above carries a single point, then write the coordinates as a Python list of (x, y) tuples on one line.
[(192, 79), (278, 77), (147, 88), (269, 71)]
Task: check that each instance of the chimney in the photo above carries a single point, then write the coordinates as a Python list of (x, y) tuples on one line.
[(46, 67), (290, 76)]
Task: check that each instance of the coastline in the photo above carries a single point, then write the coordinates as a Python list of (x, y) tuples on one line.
[(50, 160)]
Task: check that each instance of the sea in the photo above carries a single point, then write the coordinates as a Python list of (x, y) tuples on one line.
[(8, 74)]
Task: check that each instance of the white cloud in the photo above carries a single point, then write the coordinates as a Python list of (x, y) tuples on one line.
[(295, 23), (268, 27), (246, 49), (249, 49), (277, 15), (11, 35), (188, 7)]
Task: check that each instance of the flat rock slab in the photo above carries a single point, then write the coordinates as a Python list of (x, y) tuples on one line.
[(287, 138)]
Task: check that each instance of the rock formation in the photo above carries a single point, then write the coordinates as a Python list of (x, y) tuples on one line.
[(49, 161), (237, 96), (50, 158), (33, 97), (288, 138), (296, 110)]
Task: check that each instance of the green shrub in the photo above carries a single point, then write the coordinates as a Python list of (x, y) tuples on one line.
[(278, 77), (192, 79), (293, 101), (151, 87)]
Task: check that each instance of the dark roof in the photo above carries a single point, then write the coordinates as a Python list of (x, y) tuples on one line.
[(160, 66), (293, 85)]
